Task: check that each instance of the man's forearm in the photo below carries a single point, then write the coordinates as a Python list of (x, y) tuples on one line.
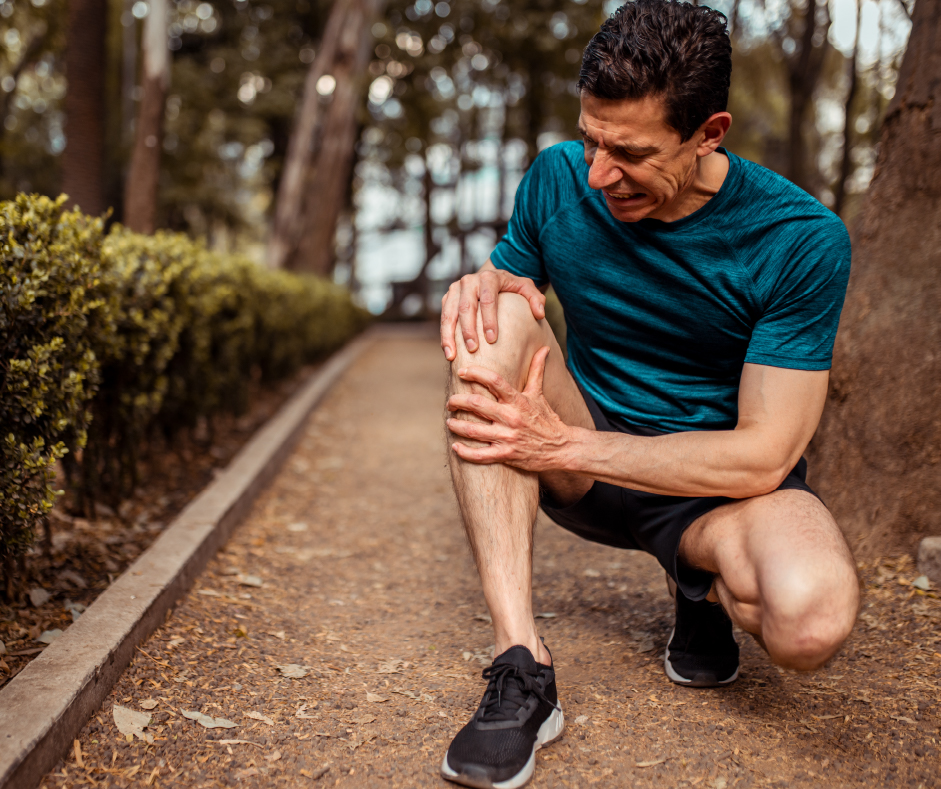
[(734, 463)]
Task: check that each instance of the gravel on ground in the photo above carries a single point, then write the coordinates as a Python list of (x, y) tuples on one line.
[(338, 641)]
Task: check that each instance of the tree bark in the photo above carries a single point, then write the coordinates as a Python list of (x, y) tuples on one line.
[(328, 178), (143, 177), (876, 458), (804, 69), (846, 163), (286, 227), (83, 158)]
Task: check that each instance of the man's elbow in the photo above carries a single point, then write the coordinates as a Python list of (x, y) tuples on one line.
[(766, 478)]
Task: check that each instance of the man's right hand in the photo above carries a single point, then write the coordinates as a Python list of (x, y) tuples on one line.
[(460, 304)]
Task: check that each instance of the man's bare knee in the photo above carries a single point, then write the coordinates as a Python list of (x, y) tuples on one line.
[(519, 336)]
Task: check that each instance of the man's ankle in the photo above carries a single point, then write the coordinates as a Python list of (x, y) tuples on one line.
[(537, 649)]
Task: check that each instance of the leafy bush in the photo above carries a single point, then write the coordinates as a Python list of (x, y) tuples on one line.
[(52, 307), (107, 338)]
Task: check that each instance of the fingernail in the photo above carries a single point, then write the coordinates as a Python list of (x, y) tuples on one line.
[(490, 335), (471, 346)]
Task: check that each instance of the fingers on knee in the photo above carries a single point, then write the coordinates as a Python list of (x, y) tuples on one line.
[(810, 618)]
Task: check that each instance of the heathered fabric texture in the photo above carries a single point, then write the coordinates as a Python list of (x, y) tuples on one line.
[(662, 316)]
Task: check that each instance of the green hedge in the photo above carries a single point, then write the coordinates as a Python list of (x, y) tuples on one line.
[(107, 338)]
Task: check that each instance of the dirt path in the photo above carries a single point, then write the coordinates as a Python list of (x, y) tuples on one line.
[(367, 584)]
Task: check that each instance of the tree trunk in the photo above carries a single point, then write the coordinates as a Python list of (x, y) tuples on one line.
[(128, 71), (83, 158), (328, 177), (876, 458), (286, 228), (846, 162), (804, 70), (143, 177)]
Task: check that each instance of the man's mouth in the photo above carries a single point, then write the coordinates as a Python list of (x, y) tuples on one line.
[(625, 197)]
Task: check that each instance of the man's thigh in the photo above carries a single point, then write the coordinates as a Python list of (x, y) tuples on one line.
[(772, 553)]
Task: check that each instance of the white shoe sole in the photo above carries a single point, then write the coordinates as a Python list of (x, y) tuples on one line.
[(549, 731), (680, 680)]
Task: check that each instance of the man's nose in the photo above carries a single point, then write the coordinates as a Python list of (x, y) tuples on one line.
[(603, 172)]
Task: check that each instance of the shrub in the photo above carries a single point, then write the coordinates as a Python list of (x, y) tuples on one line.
[(106, 339), (52, 307)]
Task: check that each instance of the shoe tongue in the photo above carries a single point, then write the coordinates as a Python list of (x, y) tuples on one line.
[(518, 656)]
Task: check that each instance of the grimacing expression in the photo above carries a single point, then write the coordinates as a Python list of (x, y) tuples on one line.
[(635, 157)]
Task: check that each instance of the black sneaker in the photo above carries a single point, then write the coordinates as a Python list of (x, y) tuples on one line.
[(518, 714), (701, 652)]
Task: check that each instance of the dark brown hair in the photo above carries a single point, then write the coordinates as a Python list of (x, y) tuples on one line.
[(675, 50)]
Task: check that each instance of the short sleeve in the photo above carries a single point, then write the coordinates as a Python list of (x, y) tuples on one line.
[(518, 251), (801, 310)]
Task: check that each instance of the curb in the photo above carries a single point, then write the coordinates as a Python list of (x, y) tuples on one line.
[(45, 706)]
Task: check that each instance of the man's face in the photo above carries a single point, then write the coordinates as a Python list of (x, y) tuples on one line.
[(636, 158)]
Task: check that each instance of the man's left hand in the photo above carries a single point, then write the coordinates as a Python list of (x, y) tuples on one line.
[(524, 432)]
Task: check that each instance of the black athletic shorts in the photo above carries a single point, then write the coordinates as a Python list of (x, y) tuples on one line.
[(651, 522)]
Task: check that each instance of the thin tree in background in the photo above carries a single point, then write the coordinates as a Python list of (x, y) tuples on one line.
[(140, 190), (83, 158), (328, 178), (804, 68), (288, 213), (877, 454), (846, 163)]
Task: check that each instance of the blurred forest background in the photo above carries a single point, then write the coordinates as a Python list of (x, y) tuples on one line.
[(382, 142)]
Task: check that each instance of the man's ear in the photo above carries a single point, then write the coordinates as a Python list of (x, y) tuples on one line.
[(712, 132)]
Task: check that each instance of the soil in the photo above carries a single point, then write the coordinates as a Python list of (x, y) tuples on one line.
[(79, 558), (367, 586)]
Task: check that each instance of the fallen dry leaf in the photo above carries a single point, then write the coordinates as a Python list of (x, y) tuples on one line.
[(148, 704), (391, 667), (651, 763), (375, 698), (251, 580), (294, 671), (39, 597), (273, 757), (207, 720), (259, 717), (302, 712), (131, 723)]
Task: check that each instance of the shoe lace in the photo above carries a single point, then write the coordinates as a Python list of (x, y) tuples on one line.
[(512, 684)]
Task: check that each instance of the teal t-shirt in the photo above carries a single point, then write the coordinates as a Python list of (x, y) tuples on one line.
[(661, 316)]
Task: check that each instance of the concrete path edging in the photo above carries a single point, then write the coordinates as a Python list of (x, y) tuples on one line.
[(44, 707)]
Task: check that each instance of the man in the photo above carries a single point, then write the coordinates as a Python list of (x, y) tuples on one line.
[(702, 295)]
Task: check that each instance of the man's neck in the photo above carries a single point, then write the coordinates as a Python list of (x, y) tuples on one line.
[(704, 184)]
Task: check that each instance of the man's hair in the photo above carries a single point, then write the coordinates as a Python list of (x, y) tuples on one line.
[(673, 50)]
